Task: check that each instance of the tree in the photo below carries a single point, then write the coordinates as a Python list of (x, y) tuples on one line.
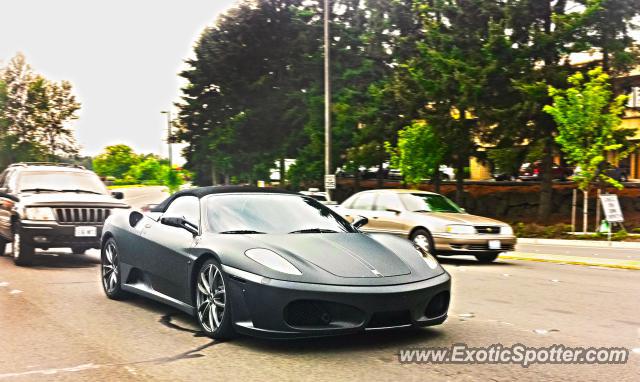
[(35, 115), (115, 161), (588, 119), (419, 152)]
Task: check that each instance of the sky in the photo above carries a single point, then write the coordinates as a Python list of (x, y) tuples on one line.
[(122, 58)]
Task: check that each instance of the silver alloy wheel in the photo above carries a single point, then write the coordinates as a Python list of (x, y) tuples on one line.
[(210, 297), (422, 241), (16, 245), (110, 271)]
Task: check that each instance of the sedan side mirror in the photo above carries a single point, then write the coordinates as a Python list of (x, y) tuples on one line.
[(181, 223), (117, 194), (360, 221)]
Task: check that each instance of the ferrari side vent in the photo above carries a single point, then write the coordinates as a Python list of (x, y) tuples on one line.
[(438, 305)]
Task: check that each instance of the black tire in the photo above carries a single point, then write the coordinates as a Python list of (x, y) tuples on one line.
[(3, 246), (487, 258), (23, 252), (428, 240), (79, 250), (209, 292), (110, 271)]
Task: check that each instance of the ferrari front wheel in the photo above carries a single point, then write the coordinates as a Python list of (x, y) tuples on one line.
[(110, 270), (213, 311)]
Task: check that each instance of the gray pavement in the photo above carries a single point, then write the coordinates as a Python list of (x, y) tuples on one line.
[(56, 324)]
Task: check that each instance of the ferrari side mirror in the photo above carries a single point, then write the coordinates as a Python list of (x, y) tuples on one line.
[(181, 223), (360, 221)]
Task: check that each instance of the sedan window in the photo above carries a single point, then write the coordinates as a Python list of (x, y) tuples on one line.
[(364, 201), (429, 203), (388, 201)]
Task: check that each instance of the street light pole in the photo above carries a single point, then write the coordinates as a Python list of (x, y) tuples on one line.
[(168, 113), (327, 93)]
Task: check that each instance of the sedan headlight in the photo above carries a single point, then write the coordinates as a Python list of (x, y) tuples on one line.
[(461, 229), (272, 260), (39, 213), (506, 230)]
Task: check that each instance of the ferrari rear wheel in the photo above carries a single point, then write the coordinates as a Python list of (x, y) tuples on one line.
[(110, 270), (213, 311)]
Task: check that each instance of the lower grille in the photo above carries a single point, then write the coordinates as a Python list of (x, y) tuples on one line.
[(389, 319), (482, 247), (82, 215)]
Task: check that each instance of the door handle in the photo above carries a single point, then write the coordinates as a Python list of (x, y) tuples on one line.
[(148, 225), (374, 217)]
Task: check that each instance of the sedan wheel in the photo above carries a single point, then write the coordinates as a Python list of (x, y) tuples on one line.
[(422, 238), (213, 311), (110, 270)]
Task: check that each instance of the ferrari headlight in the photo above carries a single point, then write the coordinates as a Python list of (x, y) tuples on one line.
[(39, 213), (461, 229), (272, 260), (428, 258), (506, 230)]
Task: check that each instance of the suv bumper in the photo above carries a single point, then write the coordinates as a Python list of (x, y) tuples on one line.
[(54, 235)]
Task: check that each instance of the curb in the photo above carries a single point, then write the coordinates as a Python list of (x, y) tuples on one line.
[(574, 260), (581, 243)]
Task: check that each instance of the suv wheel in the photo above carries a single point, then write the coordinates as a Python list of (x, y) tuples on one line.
[(23, 252), (3, 246)]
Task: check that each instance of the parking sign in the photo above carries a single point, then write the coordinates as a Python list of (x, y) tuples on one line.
[(329, 182), (612, 210)]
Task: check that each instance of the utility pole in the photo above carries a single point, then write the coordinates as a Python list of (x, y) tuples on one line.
[(327, 93), (168, 113)]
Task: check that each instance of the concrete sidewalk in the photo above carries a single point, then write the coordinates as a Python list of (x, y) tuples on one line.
[(581, 243), (575, 260), (559, 251)]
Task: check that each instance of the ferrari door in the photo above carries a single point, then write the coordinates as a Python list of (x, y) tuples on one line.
[(165, 256)]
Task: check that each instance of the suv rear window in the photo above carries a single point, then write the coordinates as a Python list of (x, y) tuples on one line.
[(60, 181)]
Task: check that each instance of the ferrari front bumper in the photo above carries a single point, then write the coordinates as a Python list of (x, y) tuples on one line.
[(282, 309)]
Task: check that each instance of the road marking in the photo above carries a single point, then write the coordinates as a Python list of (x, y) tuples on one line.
[(15, 291), (3, 284), (51, 371)]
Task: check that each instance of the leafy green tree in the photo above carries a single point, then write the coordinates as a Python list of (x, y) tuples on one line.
[(148, 170), (588, 119), (419, 152), (115, 160)]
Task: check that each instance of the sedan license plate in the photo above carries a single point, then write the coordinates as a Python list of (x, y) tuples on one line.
[(86, 232), (494, 244)]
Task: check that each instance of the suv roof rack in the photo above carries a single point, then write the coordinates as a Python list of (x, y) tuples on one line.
[(25, 164)]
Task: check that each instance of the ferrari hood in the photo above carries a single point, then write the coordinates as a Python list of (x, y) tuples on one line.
[(343, 255), (327, 258)]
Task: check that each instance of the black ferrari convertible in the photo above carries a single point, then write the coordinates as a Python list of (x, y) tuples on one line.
[(270, 263)]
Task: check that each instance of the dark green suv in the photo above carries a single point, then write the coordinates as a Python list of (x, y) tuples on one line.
[(52, 205)]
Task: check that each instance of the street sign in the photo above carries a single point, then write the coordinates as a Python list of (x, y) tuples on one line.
[(329, 182), (612, 210)]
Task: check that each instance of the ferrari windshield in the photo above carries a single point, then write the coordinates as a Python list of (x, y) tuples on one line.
[(271, 213), (429, 203)]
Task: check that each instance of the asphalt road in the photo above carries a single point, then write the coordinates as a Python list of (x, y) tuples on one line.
[(56, 324)]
